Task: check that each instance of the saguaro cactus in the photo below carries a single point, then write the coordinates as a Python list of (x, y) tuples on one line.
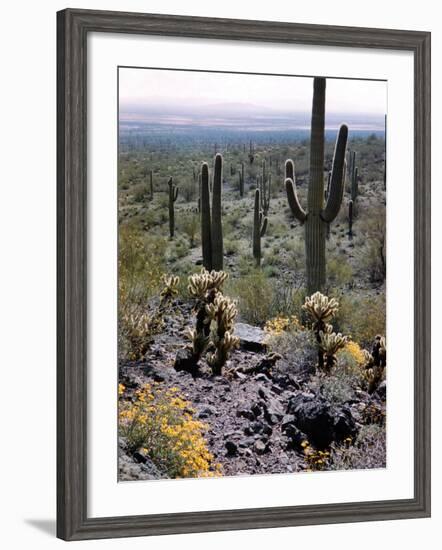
[(354, 184), (251, 154), (259, 227), (241, 180), (211, 222), (173, 194), (316, 217), (264, 186), (350, 219)]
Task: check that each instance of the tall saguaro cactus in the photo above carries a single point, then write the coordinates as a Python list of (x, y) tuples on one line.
[(264, 185), (241, 180), (173, 194), (259, 227), (211, 222), (350, 219), (316, 217)]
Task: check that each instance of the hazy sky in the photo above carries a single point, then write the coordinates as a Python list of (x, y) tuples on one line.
[(148, 88)]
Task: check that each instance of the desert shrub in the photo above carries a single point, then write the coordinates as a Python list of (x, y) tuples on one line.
[(339, 388), (190, 225), (373, 414), (178, 250), (136, 330), (315, 459), (361, 316), (287, 298), (372, 256), (297, 347), (255, 296), (138, 323), (368, 451), (231, 247), (140, 264), (339, 272), (188, 190), (141, 193), (278, 325), (159, 423)]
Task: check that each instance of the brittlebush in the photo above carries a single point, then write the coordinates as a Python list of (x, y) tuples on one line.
[(160, 424)]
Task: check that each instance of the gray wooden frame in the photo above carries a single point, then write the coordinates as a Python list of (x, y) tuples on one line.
[(73, 27)]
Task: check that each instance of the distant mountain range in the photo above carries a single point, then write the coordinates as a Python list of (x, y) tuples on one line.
[(238, 116)]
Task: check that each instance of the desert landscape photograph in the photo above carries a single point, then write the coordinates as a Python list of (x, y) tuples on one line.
[(251, 274)]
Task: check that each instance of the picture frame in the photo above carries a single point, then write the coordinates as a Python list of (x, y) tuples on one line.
[(73, 27)]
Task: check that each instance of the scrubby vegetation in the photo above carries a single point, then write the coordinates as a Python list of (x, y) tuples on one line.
[(252, 295)]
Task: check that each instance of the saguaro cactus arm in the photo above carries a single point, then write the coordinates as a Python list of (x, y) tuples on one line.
[(292, 197), (264, 227), (289, 169), (336, 192)]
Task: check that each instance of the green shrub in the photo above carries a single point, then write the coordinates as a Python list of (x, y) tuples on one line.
[(255, 296), (362, 317), (368, 451), (140, 264)]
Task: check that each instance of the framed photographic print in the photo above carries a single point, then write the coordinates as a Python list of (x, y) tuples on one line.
[(243, 231)]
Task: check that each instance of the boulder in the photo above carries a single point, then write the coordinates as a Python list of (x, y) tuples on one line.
[(231, 448), (250, 338), (184, 361), (321, 421)]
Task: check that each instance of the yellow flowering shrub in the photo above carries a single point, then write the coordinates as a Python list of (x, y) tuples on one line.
[(315, 459), (278, 325), (355, 351), (160, 424)]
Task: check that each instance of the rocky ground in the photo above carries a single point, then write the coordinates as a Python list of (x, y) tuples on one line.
[(259, 412)]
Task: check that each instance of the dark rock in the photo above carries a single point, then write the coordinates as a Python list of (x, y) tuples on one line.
[(232, 448), (158, 374), (247, 442), (277, 389), (273, 411), (262, 392), (260, 447), (257, 427), (138, 457), (294, 435), (261, 377), (381, 390), (250, 337), (206, 411), (184, 361), (267, 429), (245, 413), (256, 409), (321, 422), (287, 420)]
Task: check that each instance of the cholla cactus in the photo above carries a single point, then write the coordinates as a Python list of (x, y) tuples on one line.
[(138, 329), (376, 362), (321, 308), (206, 287), (201, 283), (170, 289), (330, 343), (221, 313)]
